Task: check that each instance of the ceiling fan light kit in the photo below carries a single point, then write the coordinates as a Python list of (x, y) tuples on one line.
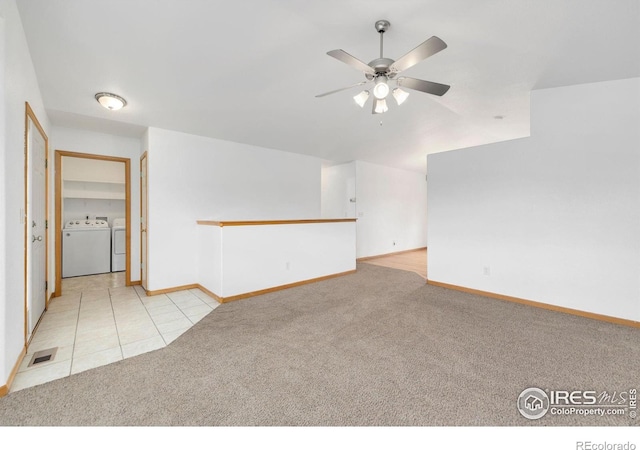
[(382, 70), (361, 98), (380, 106), (400, 95), (381, 89)]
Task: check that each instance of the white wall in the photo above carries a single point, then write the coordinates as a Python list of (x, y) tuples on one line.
[(94, 170), (236, 260), (80, 208), (553, 218), (391, 206), (82, 141), (19, 85), (193, 177), (338, 188)]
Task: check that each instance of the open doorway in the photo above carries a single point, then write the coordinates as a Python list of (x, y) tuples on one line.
[(92, 202)]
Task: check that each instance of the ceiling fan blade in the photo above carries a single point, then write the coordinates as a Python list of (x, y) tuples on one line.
[(424, 86), (342, 89), (428, 48), (354, 62)]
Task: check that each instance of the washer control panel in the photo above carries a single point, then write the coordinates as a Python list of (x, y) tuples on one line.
[(81, 223)]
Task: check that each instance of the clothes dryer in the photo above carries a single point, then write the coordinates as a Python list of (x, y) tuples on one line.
[(118, 245)]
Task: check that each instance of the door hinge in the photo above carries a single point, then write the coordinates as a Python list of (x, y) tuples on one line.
[(46, 163), (46, 285), (141, 174), (142, 265), (46, 224)]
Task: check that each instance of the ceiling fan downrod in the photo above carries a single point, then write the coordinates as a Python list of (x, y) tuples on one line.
[(381, 27)]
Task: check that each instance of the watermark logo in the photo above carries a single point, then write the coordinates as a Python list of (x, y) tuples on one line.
[(534, 403)]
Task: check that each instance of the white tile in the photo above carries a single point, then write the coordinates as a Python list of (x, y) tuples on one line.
[(196, 310), (62, 333), (97, 295), (129, 306), (41, 375), (68, 304), (188, 302), (96, 307), (128, 298), (156, 301), (123, 290), (179, 294), (195, 318), (140, 290), (133, 322), (96, 359), (167, 317), (139, 347), (137, 334), (97, 344), (174, 325), (94, 333), (171, 336), (38, 343), (95, 320), (58, 319), (153, 312), (95, 314)]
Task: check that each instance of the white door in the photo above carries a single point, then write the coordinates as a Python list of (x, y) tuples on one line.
[(36, 227), (143, 221)]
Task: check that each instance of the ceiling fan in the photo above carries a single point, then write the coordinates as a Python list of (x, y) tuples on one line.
[(382, 70)]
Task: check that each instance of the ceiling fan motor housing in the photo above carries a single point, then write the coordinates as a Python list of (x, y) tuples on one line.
[(381, 66)]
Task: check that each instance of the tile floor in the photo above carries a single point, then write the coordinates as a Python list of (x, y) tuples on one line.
[(97, 321)]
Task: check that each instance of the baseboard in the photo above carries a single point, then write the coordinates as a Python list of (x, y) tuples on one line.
[(172, 289), (282, 287), (247, 294), (547, 306), (208, 292), (366, 258), (4, 390), (135, 283)]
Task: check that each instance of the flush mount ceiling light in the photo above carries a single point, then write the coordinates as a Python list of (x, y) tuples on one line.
[(383, 70), (111, 101)]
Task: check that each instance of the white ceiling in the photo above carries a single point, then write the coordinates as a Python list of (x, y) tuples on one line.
[(248, 71)]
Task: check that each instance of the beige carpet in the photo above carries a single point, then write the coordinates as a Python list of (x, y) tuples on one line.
[(378, 347)]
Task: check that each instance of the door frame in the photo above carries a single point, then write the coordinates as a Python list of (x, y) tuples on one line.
[(29, 115), (58, 206)]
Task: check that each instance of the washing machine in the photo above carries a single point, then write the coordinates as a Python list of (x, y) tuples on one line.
[(86, 248), (118, 245)]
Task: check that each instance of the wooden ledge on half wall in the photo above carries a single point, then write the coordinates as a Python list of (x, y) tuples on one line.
[(239, 223)]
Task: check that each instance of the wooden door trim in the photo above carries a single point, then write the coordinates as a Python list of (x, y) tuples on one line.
[(58, 210), (146, 219)]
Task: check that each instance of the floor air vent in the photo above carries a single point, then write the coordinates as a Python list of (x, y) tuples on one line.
[(43, 356)]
